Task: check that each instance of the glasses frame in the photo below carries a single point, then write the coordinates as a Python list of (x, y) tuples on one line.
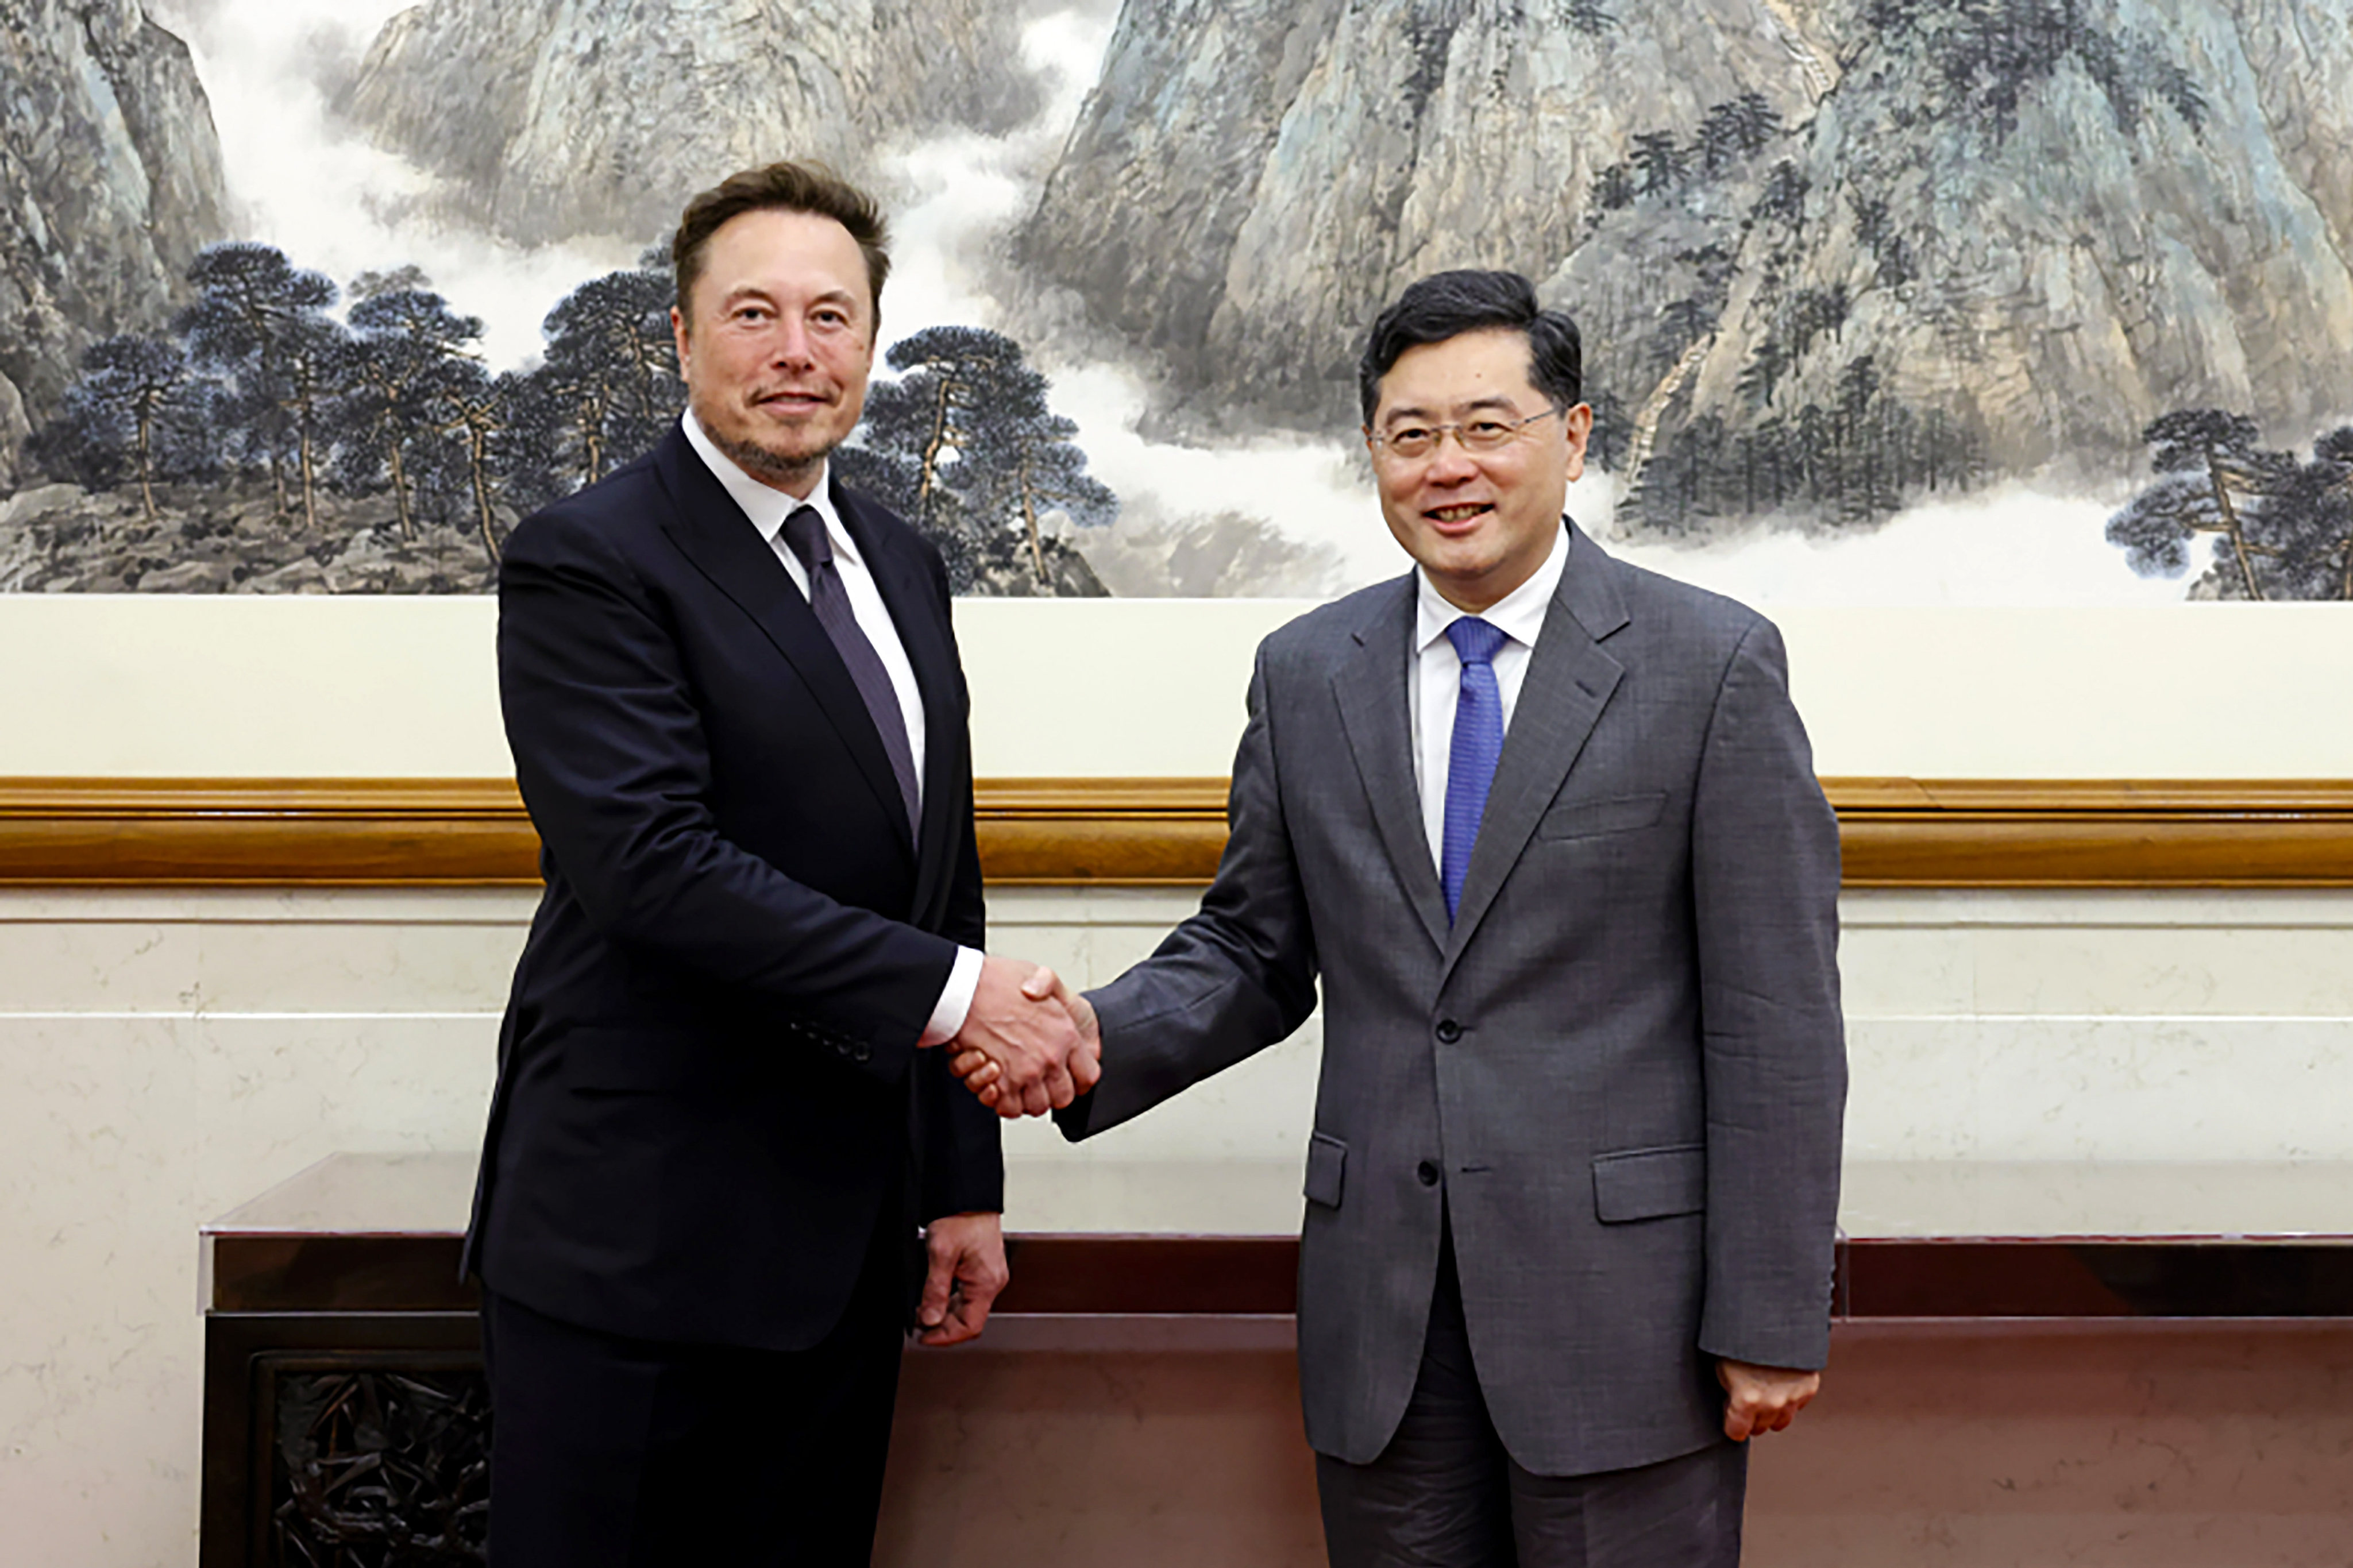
[(1384, 444)]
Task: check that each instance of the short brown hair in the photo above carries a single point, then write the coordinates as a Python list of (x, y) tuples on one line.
[(789, 186)]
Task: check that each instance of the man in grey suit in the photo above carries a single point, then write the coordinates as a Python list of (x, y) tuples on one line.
[(1547, 826)]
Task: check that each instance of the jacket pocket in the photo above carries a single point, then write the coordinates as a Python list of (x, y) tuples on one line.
[(1649, 1184), (1587, 819), (1327, 1170)]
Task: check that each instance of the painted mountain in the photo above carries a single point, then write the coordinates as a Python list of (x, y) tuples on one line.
[(554, 119), (1904, 278), (1830, 255), (109, 183), (199, 411)]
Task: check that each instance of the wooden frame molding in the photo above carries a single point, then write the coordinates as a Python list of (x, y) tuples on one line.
[(1987, 833), (443, 833), (59, 832)]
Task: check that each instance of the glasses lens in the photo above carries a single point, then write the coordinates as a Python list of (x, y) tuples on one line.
[(1413, 441), (1485, 434)]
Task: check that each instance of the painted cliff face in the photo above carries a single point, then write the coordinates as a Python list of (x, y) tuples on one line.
[(112, 185), (1885, 301)]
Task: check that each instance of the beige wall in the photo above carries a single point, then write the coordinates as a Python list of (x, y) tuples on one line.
[(165, 685)]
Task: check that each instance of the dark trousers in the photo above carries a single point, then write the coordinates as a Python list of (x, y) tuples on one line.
[(1445, 1494), (617, 1453)]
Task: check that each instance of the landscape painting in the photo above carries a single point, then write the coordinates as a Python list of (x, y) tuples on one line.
[(1884, 302)]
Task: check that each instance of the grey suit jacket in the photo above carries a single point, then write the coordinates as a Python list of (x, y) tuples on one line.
[(1623, 1062)]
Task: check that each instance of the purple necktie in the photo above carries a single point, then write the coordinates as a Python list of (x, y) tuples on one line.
[(1477, 746), (805, 532)]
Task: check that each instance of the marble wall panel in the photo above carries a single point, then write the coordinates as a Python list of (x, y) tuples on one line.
[(2089, 1088), (98, 1375), (357, 952), (2160, 953), (118, 1136)]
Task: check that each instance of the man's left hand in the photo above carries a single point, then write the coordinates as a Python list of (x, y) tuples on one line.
[(1763, 1398), (967, 1253)]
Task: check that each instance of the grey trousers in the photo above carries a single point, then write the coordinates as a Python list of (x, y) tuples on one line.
[(1444, 1494)]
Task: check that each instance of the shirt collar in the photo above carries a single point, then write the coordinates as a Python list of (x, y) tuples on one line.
[(1518, 615), (766, 506)]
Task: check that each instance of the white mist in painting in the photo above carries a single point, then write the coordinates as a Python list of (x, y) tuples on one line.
[(955, 196), (961, 196), (336, 204), (2007, 546)]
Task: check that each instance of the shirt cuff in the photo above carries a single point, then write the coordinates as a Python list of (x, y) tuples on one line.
[(956, 999)]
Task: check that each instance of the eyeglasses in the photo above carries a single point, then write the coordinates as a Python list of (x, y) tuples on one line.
[(1412, 441)]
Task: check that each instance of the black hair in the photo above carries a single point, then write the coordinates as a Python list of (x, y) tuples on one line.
[(1448, 304)]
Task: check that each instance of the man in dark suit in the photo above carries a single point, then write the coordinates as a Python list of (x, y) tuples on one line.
[(732, 694), (1548, 828)]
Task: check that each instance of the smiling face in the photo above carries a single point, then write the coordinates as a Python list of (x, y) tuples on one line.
[(1479, 523), (779, 343)]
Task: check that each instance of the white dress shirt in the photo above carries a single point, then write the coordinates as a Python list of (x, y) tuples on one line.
[(767, 508), (1434, 679)]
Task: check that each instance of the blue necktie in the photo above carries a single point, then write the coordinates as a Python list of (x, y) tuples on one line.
[(1478, 745)]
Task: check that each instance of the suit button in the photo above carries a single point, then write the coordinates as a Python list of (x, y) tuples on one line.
[(862, 1054), (1448, 1031), (1428, 1172)]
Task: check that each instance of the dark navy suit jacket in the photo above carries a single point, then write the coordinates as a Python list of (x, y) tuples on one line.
[(709, 1086)]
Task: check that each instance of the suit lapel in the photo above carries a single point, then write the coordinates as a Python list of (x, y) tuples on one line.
[(713, 532), (1569, 680), (911, 597), (1370, 689)]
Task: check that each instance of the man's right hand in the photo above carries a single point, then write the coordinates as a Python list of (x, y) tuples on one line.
[(1024, 1039), (981, 1075)]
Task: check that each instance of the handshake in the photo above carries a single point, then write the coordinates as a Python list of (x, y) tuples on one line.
[(1030, 1044)]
